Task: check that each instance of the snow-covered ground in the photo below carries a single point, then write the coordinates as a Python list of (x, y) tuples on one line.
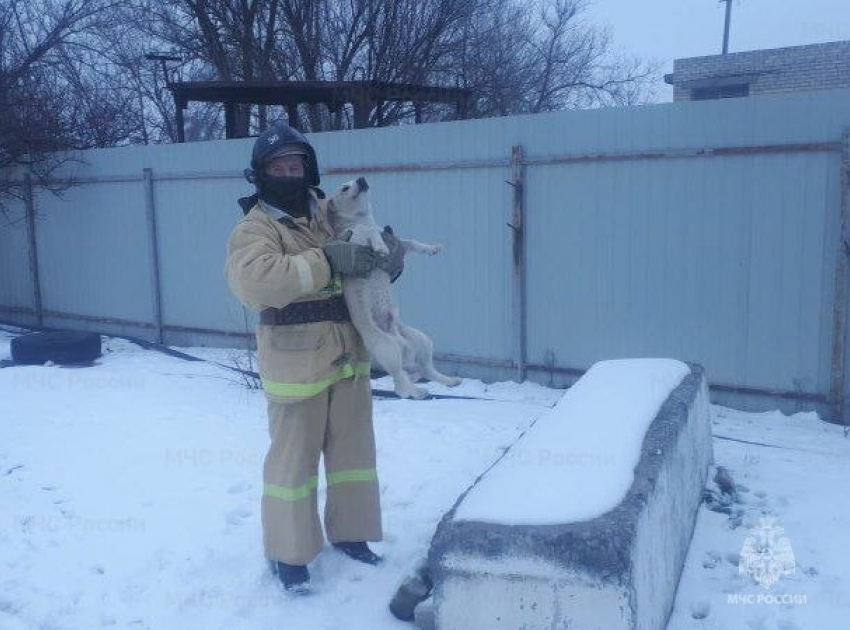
[(799, 475), (130, 499)]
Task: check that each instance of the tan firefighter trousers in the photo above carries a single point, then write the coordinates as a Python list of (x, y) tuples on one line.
[(338, 423)]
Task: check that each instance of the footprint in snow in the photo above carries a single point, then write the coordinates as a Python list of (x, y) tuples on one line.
[(700, 610), (238, 487), (711, 560), (237, 515)]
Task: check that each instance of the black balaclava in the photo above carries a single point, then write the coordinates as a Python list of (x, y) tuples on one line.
[(287, 193)]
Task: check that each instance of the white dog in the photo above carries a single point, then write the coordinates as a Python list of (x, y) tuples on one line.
[(404, 352)]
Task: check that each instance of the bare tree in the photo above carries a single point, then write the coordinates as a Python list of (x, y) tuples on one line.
[(521, 57), (132, 36), (55, 94), (514, 55), (225, 40)]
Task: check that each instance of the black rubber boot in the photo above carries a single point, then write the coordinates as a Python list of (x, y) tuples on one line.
[(358, 551), (294, 577)]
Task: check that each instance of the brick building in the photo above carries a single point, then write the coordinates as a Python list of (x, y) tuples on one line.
[(792, 69)]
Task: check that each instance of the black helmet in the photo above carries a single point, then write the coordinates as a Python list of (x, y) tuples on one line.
[(277, 139)]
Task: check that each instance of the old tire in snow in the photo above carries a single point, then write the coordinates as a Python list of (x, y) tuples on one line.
[(61, 346)]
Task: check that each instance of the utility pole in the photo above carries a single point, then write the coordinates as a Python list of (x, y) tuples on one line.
[(726, 29)]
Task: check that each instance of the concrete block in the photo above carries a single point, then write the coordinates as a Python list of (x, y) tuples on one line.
[(618, 571)]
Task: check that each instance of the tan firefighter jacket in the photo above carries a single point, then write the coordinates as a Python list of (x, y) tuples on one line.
[(273, 263)]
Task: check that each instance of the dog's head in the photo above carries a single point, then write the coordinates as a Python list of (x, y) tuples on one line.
[(351, 201)]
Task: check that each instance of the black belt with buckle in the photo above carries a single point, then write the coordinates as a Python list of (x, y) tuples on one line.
[(332, 309)]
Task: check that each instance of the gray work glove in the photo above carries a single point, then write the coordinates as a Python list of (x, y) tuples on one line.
[(350, 259), (393, 262)]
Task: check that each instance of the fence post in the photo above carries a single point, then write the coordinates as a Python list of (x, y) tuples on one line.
[(153, 248), (518, 229), (838, 387), (29, 202)]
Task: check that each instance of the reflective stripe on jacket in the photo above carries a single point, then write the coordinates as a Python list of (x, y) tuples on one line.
[(273, 263)]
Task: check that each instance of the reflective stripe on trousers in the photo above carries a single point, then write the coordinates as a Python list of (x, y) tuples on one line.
[(303, 491), (304, 390)]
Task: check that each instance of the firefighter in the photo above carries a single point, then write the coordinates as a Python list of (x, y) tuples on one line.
[(283, 260)]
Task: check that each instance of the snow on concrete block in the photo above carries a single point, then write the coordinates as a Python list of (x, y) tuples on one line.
[(585, 522)]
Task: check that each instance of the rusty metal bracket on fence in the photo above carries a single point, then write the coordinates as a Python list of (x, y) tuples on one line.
[(838, 388), (517, 226), (29, 201)]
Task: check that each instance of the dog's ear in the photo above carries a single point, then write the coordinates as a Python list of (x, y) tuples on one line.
[(346, 236)]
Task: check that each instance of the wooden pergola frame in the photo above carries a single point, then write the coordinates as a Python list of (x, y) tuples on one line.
[(362, 95)]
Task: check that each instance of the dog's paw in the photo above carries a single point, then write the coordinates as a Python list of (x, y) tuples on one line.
[(453, 381), (381, 248), (419, 393), (433, 250), (416, 393)]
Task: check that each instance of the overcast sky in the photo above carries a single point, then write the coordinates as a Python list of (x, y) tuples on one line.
[(671, 29)]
